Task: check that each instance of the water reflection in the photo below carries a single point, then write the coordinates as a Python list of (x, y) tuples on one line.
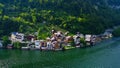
[(104, 55)]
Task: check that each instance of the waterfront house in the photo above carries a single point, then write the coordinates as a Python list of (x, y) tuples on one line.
[(30, 38), (76, 40), (1, 45), (17, 37), (88, 39), (9, 46), (38, 43), (108, 33), (93, 39)]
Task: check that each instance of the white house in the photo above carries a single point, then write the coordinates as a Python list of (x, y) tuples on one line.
[(88, 38), (38, 43), (17, 37), (76, 40)]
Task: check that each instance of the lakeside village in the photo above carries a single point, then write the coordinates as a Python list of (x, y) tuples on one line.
[(57, 41)]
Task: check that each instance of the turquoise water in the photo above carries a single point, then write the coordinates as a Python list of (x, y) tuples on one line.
[(103, 55)]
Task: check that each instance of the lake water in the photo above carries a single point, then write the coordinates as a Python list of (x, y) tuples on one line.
[(103, 55)]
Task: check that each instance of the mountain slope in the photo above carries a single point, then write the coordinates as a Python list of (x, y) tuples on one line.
[(85, 16)]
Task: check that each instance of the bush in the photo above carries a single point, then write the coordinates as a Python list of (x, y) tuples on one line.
[(17, 45), (6, 41), (116, 32), (82, 40)]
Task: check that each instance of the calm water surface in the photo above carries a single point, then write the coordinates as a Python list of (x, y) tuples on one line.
[(103, 55)]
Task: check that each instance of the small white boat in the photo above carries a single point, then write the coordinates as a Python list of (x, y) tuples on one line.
[(25, 48), (77, 46), (44, 48), (58, 49)]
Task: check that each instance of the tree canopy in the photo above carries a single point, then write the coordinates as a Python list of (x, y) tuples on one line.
[(85, 16)]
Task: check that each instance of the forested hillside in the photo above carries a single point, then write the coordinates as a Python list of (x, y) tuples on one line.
[(85, 16)]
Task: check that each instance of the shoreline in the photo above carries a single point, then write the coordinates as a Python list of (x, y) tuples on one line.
[(85, 46)]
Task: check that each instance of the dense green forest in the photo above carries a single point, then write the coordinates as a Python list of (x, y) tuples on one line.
[(85, 16)]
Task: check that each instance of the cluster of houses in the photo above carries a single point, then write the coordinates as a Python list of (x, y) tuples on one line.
[(57, 41)]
